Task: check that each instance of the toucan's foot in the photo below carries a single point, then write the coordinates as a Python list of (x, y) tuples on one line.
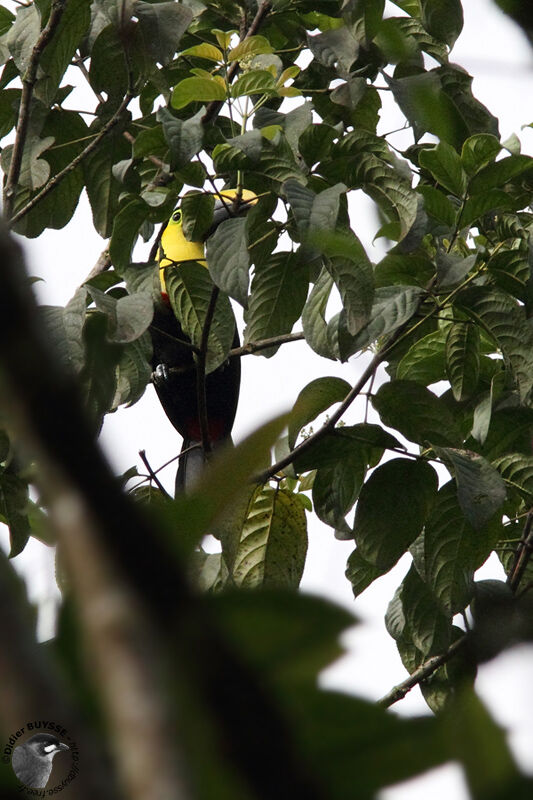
[(160, 375)]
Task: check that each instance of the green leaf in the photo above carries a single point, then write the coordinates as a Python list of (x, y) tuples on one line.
[(501, 172), (6, 20), (391, 192), (453, 551), (23, 35), (424, 362), (57, 208), (197, 215), (256, 81), (392, 508), (193, 90), (315, 143), (134, 371), (189, 288), (476, 206), (98, 377), (204, 50), (478, 151), (463, 359), (9, 101), (336, 488), (443, 19), (393, 307), (220, 488), (228, 258), (480, 488), (273, 542), (361, 573), (417, 413), (251, 46), (129, 316), (429, 628), (58, 53), (65, 328), (452, 268), (14, 502), (334, 47), (338, 733), (103, 189), (184, 137), (445, 166), (108, 71), (314, 399), (162, 27), (34, 171), (517, 470), (428, 108), (438, 205), (125, 232), (339, 444), (278, 294), (457, 85), (313, 316), (489, 767), (287, 637), (504, 319)]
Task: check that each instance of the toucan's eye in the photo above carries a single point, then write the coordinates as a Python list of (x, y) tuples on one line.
[(176, 216)]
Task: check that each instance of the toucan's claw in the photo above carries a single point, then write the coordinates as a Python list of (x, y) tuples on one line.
[(160, 375)]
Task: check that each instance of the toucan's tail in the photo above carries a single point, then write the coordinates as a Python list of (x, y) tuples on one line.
[(191, 463)]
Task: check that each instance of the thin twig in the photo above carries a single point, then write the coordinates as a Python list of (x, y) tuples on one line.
[(200, 372), (151, 473), (213, 109), (263, 344), (48, 187), (103, 263), (522, 555), (420, 674), (28, 84)]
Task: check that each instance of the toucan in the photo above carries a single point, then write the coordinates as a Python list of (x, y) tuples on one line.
[(173, 360), (32, 761)]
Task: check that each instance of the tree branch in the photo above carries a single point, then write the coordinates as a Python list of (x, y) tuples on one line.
[(151, 474), (53, 182), (245, 725), (328, 426), (421, 673), (28, 83), (102, 264), (214, 108), (264, 344), (523, 554)]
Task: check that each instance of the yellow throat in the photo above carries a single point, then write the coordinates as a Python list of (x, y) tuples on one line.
[(175, 249)]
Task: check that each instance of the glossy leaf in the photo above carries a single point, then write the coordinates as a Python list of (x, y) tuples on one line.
[(162, 27), (189, 288), (417, 413), (273, 542), (314, 399), (392, 508), (480, 488), (228, 258), (277, 297)]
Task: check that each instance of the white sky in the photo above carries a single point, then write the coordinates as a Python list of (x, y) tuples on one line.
[(495, 52)]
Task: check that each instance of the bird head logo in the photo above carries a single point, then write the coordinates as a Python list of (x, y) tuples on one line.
[(174, 248), (32, 761)]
